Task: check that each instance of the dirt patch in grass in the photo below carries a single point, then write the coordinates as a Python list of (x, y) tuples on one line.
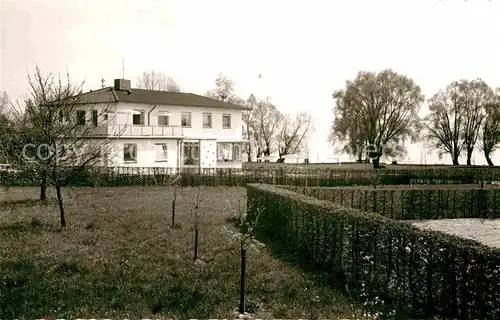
[(119, 258)]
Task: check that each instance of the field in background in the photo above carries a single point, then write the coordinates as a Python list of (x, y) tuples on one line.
[(119, 258)]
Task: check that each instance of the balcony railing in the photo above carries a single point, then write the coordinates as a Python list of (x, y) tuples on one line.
[(137, 131)]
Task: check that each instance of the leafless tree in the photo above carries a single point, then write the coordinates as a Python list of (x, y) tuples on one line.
[(51, 139), (445, 121), (293, 133), (223, 90), (490, 130), (247, 125), (245, 236), (264, 127), (474, 95), (152, 80)]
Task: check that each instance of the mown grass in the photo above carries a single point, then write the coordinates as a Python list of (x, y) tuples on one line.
[(119, 258)]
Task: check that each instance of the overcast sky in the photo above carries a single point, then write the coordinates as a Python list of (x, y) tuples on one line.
[(303, 49)]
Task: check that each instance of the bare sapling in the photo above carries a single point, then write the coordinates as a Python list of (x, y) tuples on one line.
[(175, 182), (196, 216), (245, 237)]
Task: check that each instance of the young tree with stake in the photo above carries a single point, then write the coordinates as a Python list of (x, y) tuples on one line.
[(245, 238), (196, 217)]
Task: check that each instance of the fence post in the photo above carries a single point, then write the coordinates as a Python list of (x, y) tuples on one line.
[(494, 203)]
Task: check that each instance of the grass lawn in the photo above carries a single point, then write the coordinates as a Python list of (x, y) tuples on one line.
[(119, 258)]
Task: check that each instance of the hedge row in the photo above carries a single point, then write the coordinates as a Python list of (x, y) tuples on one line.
[(419, 273), (414, 203), (299, 176)]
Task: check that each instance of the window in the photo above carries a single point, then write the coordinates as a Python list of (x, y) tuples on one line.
[(186, 119), (80, 116), (130, 152), (226, 121), (236, 152), (163, 121), (138, 119), (229, 151), (161, 152), (207, 120), (191, 153), (94, 118)]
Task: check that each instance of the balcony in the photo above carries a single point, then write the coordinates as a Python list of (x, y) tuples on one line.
[(128, 130)]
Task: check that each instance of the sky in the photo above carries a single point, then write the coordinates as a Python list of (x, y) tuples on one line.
[(304, 49)]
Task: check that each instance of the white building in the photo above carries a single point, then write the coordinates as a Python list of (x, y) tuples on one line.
[(165, 129)]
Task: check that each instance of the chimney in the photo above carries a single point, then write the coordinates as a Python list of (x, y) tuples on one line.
[(122, 84)]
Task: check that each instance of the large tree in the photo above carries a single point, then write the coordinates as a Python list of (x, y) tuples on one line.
[(265, 124), (490, 130), (385, 105), (456, 116), (247, 118), (346, 130), (223, 90), (474, 95), (445, 122), (152, 80), (51, 138), (293, 133)]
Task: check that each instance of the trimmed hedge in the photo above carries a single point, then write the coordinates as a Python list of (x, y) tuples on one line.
[(419, 273), (414, 203)]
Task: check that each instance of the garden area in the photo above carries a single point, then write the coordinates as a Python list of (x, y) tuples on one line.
[(119, 258), (420, 251), (328, 244)]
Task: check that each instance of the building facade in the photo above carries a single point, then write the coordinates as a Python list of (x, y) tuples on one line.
[(164, 129)]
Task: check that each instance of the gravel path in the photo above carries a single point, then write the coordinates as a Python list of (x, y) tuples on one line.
[(486, 231)]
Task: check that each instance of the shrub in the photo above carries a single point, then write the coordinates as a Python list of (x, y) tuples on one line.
[(413, 203), (419, 273)]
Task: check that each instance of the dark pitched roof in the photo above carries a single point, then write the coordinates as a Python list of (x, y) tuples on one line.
[(109, 94)]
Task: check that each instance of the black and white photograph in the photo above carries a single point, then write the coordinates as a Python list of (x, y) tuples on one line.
[(237, 159)]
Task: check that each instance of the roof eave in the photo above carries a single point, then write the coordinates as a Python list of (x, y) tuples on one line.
[(188, 105)]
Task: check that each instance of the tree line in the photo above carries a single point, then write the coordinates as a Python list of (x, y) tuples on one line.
[(376, 114)]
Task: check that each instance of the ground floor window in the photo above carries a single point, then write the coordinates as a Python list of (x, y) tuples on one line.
[(191, 153), (230, 152), (161, 152), (130, 152)]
